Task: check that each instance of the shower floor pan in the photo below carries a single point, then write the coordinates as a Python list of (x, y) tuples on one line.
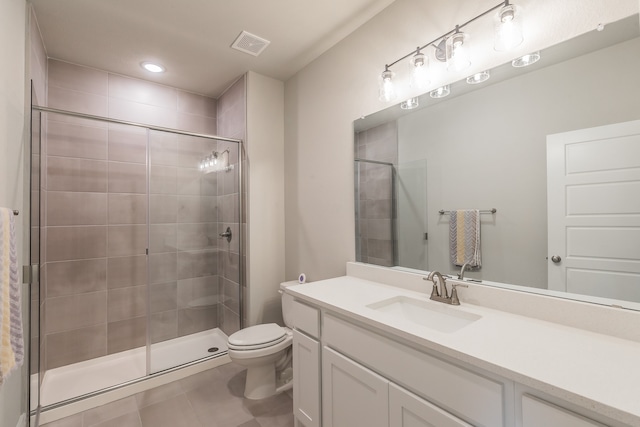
[(78, 379)]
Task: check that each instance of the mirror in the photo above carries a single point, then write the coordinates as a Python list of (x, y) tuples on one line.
[(485, 147)]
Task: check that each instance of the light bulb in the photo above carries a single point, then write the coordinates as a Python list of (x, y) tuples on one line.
[(508, 29), (526, 60), (409, 104), (480, 77), (387, 88), (419, 73), (441, 92), (457, 52)]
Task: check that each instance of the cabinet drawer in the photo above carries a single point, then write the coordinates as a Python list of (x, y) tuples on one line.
[(472, 397), (305, 318), (536, 413), (406, 409)]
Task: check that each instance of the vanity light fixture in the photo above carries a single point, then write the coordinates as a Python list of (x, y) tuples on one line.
[(508, 30), (480, 77), (410, 104), (153, 68), (419, 70), (387, 87), (214, 161), (526, 60), (453, 48), (457, 51), (441, 92)]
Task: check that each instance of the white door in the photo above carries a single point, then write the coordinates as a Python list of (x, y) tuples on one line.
[(306, 379), (352, 395), (593, 196)]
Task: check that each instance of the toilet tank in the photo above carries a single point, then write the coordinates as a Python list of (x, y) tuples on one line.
[(287, 301)]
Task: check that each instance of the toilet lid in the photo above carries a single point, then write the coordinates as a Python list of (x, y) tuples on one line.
[(269, 333)]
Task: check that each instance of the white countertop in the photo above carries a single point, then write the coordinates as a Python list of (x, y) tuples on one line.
[(591, 370)]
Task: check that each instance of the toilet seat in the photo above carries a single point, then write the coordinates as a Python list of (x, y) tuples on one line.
[(257, 337)]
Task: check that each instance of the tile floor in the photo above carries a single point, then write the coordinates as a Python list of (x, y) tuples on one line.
[(212, 398)]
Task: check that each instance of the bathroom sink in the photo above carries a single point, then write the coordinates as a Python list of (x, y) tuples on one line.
[(433, 315)]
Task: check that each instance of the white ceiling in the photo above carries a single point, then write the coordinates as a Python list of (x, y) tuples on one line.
[(192, 38)]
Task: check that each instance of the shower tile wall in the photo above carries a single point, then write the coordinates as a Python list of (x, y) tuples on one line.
[(96, 207), (376, 196), (232, 124)]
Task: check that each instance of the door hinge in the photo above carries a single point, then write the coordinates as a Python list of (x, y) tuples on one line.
[(29, 274)]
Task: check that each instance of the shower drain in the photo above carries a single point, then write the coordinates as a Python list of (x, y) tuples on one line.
[(213, 349)]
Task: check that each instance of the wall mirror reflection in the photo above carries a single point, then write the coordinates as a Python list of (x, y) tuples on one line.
[(553, 147)]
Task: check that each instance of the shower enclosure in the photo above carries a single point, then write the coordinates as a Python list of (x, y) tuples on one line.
[(375, 212), (387, 195), (136, 241)]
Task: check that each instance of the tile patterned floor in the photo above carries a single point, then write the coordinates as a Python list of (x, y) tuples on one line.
[(212, 398)]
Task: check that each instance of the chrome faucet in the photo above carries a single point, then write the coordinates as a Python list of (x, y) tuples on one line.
[(461, 274), (443, 294)]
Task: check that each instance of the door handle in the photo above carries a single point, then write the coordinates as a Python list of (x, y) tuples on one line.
[(227, 234), (556, 259)]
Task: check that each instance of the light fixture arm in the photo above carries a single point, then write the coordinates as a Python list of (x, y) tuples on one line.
[(445, 35)]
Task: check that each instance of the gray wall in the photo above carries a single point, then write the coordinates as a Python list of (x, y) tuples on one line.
[(232, 123), (95, 188), (487, 149), (324, 98)]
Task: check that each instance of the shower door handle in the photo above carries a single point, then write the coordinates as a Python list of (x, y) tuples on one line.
[(226, 234)]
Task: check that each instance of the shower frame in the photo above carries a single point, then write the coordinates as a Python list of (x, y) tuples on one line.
[(240, 235)]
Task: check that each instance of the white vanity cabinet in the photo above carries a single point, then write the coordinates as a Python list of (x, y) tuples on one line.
[(466, 397), (306, 364), (356, 396), (408, 410), (537, 412), (352, 395)]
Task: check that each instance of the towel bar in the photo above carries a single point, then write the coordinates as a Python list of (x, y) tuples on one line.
[(491, 211)]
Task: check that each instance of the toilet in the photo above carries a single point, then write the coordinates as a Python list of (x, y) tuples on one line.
[(265, 350)]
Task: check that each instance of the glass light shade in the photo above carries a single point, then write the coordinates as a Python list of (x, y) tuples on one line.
[(508, 28), (419, 71), (409, 104), (441, 92), (457, 51), (480, 77), (387, 88), (526, 60)]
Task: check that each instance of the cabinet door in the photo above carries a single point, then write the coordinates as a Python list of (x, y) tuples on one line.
[(408, 410), (306, 380), (352, 395), (537, 413)]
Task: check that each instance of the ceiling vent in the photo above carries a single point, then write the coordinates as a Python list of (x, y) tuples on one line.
[(249, 43)]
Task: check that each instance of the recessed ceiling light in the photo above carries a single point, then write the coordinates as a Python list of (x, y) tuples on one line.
[(154, 68)]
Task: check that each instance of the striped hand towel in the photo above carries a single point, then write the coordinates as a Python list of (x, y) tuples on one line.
[(11, 339), (464, 238)]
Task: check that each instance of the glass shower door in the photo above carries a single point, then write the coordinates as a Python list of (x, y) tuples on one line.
[(35, 362), (187, 206)]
